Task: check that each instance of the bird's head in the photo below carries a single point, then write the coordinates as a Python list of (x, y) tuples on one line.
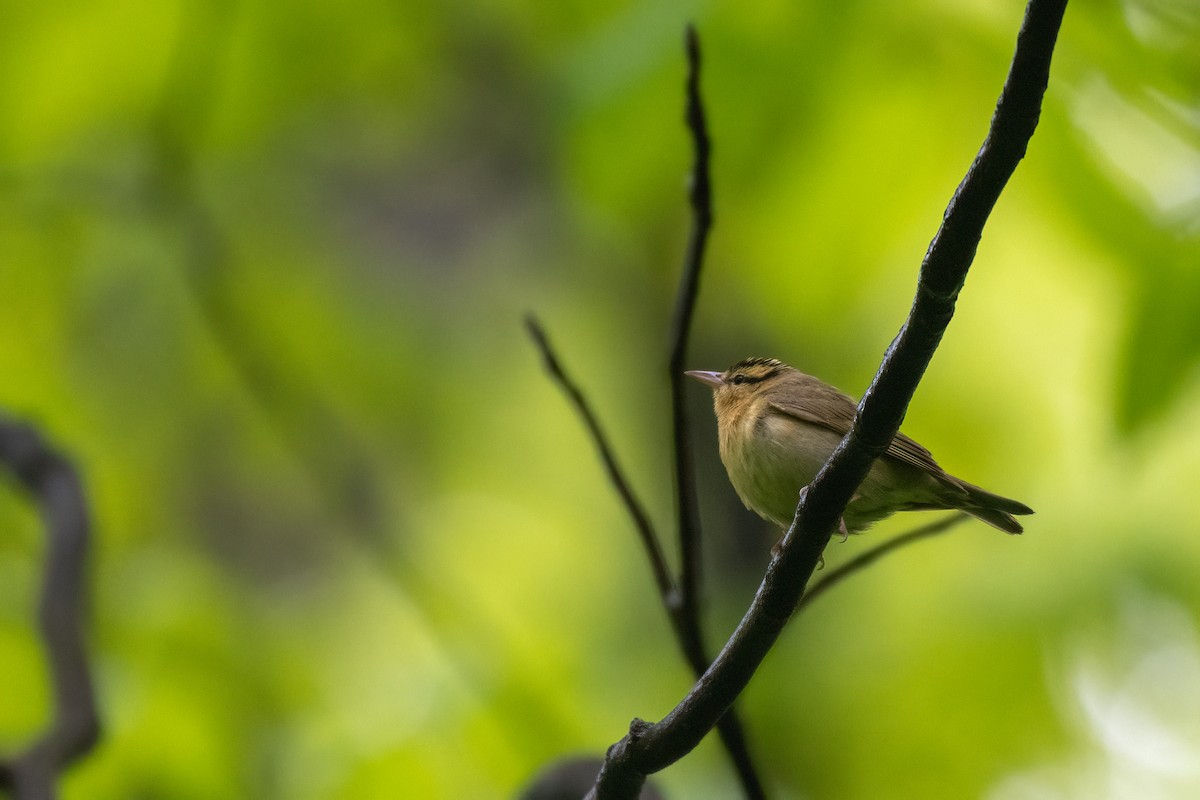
[(736, 388)]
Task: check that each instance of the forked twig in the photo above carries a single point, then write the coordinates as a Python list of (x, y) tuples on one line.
[(681, 601), (683, 622)]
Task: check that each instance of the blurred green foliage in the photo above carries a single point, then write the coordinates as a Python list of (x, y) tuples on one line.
[(263, 268)]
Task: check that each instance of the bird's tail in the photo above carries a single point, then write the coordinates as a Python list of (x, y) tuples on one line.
[(993, 509)]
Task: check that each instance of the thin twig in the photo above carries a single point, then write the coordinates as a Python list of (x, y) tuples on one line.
[(864, 560), (648, 748), (700, 196), (74, 727), (688, 624), (637, 512)]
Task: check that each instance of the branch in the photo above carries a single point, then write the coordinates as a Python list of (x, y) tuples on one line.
[(74, 728), (648, 748), (700, 195), (687, 616), (864, 560)]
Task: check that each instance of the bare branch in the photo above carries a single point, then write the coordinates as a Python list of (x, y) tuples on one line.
[(700, 196), (74, 727), (637, 512), (864, 560), (648, 748), (687, 623)]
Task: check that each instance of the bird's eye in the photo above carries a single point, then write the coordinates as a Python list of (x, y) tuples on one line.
[(739, 379)]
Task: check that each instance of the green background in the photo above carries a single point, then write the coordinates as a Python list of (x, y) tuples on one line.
[(262, 271)]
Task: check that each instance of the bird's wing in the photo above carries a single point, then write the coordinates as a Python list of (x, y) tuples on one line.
[(905, 449), (825, 406), (817, 404)]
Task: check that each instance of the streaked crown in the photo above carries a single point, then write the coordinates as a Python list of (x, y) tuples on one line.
[(753, 370)]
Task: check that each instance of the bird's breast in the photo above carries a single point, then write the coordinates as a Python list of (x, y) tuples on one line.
[(770, 457)]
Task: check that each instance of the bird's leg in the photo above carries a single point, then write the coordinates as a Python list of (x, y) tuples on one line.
[(842, 529)]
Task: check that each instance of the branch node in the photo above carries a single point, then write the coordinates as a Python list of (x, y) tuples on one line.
[(637, 728)]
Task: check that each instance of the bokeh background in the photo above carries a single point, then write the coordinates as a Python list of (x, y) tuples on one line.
[(263, 267)]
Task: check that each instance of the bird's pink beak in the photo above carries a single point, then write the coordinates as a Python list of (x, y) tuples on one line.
[(713, 379)]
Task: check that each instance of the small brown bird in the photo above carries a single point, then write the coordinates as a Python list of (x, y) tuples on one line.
[(777, 426)]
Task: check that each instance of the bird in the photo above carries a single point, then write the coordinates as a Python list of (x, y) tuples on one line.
[(777, 426)]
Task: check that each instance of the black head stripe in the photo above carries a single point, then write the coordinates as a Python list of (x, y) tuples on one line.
[(757, 369), (757, 361)]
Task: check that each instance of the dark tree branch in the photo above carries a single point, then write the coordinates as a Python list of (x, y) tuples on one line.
[(686, 627), (864, 560), (700, 195), (74, 727), (648, 748)]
